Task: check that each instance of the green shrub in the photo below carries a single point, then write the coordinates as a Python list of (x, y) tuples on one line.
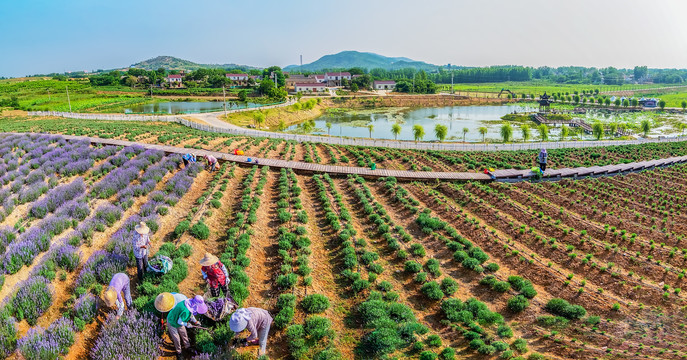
[(181, 228), (520, 345), (428, 355), (447, 354), (317, 327), (315, 303), (432, 290), (215, 203), (433, 340), (200, 231), (184, 251), (517, 303), (449, 286), (501, 286), (561, 307), (413, 266)]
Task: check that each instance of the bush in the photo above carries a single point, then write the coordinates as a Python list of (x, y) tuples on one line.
[(381, 341), (433, 340), (517, 303), (413, 266), (85, 308), (34, 296), (520, 345), (449, 286), (215, 203), (317, 327), (428, 355), (561, 307), (184, 251), (8, 335), (432, 290), (315, 303), (501, 286), (49, 344), (200, 231), (181, 228), (447, 354)]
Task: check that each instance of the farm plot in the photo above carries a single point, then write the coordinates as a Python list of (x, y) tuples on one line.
[(348, 268)]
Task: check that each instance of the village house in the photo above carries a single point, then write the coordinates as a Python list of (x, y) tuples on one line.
[(334, 79), (238, 79), (310, 87), (292, 80), (318, 77), (174, 80), (384, 85)]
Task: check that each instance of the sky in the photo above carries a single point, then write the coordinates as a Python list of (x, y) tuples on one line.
[(44, 36)]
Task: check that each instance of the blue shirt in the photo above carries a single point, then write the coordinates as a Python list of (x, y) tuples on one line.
[(189, 157)]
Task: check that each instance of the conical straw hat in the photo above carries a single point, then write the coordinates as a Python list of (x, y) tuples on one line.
[(164, 302), (208, 259), (142, 228), (110, 296)]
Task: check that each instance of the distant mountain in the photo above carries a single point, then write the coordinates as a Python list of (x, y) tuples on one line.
[(349, 59), (173, 63)]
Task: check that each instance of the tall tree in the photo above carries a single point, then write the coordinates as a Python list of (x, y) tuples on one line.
[(598, 130), (370, 128), (506, 132), (613, 128), (328, 124), (564, 131), (440, 131), (525, 133), (662, 104), (645, 126), (465, 132), (395, 130), (684, 105), (543, 132), (418, 132), (483, 131)]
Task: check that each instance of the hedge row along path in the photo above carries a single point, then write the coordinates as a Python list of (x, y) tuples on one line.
[(218, 126), (509, 175)]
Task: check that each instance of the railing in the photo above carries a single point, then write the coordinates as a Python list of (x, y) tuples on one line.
[(363, 142)]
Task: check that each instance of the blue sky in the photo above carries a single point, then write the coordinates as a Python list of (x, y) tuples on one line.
[(41, 36)]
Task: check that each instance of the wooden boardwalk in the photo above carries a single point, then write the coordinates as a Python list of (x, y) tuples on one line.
[(507, 175)]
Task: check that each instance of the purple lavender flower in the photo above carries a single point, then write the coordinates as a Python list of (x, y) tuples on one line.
[(84, 307), (57, 197), (67, 257), (32, 299), (133, 336), (39, 344)]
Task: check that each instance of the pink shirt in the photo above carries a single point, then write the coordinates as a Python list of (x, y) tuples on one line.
[(259, 319)]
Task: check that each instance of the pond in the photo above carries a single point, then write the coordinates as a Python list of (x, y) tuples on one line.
[(186, 107), (354, 123)]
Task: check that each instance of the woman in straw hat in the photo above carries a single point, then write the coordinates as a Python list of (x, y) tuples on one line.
[(211, 162), (113, 295), (215, 274), (257, 321), (182, 316), (166, 301), (141, 242)]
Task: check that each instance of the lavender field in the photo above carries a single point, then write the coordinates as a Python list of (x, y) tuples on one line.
[(68, 212)]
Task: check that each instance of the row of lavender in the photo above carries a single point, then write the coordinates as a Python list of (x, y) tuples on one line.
[(34, 296)]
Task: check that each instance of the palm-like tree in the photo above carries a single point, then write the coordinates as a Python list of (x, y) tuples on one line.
[(565, 130), (613, 129), (598, 130), (506, 132), (329, 127), (440, 131), (525, 133), (645, 126), (395, 130), (418, 132), (684, 105), (370, 128), (259, 119), (483, 131), (465, 132), (543, 132)]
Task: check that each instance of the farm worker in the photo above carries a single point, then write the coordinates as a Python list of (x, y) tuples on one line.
[(182, 316), (212, 162), (257, 321), (141, 242), (542, 160), (113, 295), (188, 158), (215, 274)]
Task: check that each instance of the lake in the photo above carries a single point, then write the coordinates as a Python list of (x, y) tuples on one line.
[(185, 107)]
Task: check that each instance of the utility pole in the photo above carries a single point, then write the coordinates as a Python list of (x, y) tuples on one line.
[(449, 69), (413, 91), (224, 94), (69, 101), (301, 69)]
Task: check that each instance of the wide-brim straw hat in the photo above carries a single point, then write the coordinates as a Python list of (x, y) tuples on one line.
[(142, 228), (239, 320), (110, 296), (164, 302), (208, 260)]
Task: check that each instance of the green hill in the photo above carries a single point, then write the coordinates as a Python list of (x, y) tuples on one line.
[(349, 59), (173, 63)]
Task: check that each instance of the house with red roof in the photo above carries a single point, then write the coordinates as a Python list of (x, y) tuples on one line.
[(174, 80)]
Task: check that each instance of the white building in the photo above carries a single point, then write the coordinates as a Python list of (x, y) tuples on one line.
[(384, 85), (237, 77), (319, 78), (336, 76), (310, 87), (174, 78)]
